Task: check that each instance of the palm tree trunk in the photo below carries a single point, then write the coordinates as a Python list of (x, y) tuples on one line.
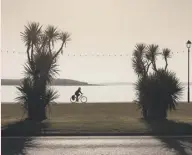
[(41, 105), (59, 50), (29, 60), (166, 64)]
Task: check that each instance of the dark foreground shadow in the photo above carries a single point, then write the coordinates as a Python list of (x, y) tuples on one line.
[(181, 141), (24, 130)]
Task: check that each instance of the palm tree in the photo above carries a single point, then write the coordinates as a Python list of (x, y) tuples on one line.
[(156, 91), (166, 54), (40, 68)]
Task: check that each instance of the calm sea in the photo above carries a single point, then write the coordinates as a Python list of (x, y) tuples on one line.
[(123, 93)]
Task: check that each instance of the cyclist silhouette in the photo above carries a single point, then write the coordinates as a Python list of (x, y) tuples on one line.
[(77, 93)]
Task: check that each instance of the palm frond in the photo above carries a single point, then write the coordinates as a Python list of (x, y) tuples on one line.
[(138, 61), (64, 37), (166, 53), (137, 65), (31, 33), (46, 65), (25, 91), (153, 51), (52, 33), (140, 50), (50, 96), (53, 72), (28, 69)]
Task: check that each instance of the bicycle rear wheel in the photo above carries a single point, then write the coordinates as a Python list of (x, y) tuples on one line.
[(73, 99), (83, 99)]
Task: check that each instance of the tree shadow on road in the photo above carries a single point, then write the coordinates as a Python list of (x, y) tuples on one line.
[(163, 128), (16, 137)]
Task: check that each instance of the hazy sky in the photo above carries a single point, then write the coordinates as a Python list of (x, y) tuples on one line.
[(104, 26)]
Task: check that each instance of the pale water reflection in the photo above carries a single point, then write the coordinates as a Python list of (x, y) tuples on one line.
[(123, 93)]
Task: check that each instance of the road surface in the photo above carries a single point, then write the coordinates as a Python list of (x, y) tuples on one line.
[(123, 145)]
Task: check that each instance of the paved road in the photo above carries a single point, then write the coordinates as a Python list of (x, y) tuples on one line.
[(97, 146)]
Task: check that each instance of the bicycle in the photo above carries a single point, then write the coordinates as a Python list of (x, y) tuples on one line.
[(82, 99)]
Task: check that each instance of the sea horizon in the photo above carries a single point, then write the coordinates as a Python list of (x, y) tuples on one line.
[(57, 81), (94, 93)]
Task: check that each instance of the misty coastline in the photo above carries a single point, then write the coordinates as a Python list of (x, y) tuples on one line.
[(70, 82)]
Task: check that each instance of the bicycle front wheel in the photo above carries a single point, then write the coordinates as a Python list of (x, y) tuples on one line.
[(83, 99)]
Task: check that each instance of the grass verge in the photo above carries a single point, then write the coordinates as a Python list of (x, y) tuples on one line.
[(95, 119)]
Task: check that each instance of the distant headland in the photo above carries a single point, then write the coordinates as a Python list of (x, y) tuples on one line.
[(56, 82)]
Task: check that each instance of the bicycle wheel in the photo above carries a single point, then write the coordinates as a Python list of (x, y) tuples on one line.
[(83, 99), (73, 99)]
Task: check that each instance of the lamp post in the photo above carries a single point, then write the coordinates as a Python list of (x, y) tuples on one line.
[(188, 44)]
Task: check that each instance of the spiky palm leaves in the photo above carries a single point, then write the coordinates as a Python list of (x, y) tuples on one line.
[(25, 93), (41, 67), (35, 38), (138, 62), (156, 91)]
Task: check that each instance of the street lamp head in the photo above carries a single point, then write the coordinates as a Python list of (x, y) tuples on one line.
[(188, 44)]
